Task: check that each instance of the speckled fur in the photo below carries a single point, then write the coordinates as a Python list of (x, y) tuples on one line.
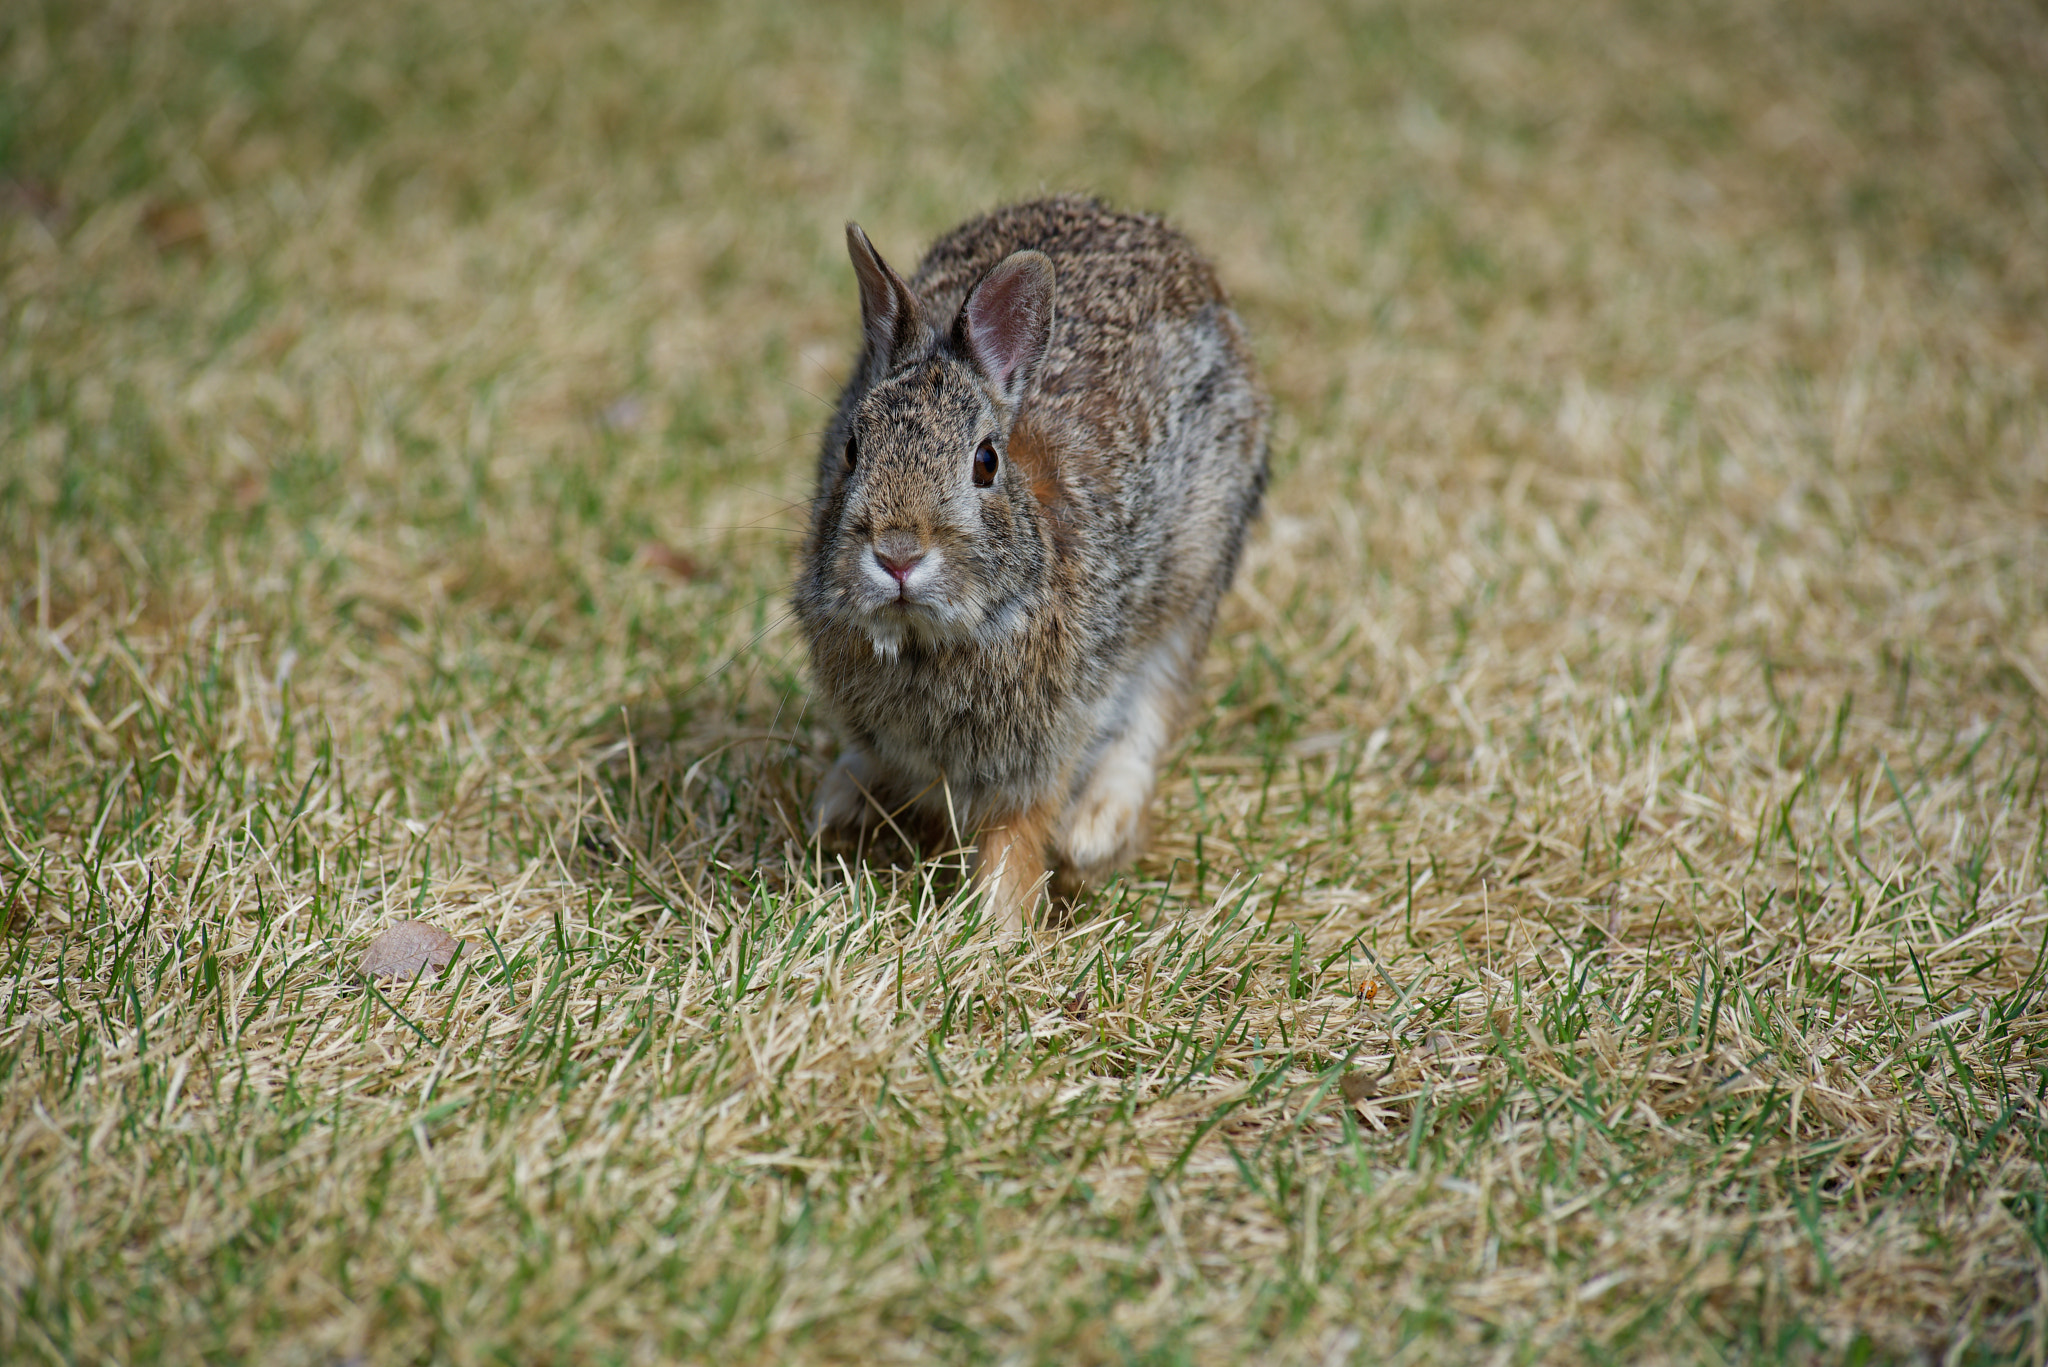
[(1062, 611)]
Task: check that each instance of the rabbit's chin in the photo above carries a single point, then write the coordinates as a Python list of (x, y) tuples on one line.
[(936, 626)]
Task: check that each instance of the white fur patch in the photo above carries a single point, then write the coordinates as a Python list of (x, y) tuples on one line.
[(1102, 824), (1103, 821)]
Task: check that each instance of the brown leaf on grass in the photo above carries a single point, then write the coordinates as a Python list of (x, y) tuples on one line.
[(175, 226), (656, 555), (1360, 1086), (32, 199), (407, 946)]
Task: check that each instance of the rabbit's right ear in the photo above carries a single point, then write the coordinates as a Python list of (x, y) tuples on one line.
[(1006, 323), (889, 315)]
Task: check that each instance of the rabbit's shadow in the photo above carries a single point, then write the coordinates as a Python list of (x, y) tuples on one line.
[(696, 802), (698, 806)]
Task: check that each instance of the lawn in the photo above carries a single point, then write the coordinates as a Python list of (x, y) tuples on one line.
[(1598, 914)]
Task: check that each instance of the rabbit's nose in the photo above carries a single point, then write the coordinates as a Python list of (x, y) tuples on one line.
[(899, 568), (898, 553)]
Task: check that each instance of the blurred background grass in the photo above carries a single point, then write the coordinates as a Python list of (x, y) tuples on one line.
[(284, 200)]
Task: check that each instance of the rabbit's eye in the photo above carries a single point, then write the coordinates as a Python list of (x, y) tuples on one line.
[(984, 464), (852, 452)]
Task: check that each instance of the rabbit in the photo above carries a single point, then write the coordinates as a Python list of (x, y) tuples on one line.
[(1035, 488)]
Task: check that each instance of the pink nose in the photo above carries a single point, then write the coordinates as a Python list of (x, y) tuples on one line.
[(899, 566)]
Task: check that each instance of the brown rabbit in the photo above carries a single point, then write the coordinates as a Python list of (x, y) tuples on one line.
[(1033, 492)]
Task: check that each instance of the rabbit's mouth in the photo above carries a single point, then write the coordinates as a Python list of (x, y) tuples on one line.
[(928, 624)]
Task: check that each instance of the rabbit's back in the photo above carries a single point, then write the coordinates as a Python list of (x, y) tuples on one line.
[(1145, 427)]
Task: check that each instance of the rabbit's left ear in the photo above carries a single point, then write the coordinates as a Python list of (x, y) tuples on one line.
[(891, 322), (1006, 324)]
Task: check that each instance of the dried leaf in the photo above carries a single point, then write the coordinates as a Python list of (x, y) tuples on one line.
[(655, 555), (1359, 1086), (405, 947), (31, 198), (175, 226)]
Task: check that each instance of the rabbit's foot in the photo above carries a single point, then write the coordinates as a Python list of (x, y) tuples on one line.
[(1009, 866), (846, 800), (1106, 823)]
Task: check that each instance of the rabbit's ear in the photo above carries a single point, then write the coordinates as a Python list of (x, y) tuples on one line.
[(889, 314), (1006, 323)]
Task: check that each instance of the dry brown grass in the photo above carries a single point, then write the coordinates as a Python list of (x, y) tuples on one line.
[(1601, 917)]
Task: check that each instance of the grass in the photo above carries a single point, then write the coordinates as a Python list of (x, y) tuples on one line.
[(1600, 917)]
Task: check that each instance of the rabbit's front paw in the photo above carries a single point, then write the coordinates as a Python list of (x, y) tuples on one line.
[(1106, 823), (846, 801), (1103, 826)]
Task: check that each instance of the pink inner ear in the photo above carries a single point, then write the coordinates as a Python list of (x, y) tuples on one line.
[(1009, 315)]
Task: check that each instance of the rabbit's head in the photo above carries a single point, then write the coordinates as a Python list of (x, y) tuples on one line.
[(926, 528)]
